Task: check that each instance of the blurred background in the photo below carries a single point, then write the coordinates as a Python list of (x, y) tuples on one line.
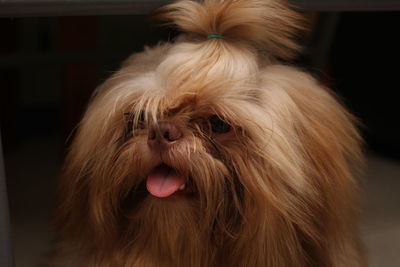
[(49, 66)]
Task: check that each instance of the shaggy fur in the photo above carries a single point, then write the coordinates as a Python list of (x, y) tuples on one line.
[(274, 190)]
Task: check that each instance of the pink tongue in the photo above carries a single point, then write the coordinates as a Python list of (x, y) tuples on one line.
[(163, 181)]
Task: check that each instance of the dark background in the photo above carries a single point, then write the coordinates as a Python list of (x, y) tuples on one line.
[(364, 64)]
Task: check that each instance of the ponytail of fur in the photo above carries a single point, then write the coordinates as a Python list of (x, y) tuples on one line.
[(269, 25)]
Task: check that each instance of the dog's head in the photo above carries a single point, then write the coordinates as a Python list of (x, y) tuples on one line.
[(209, 138)]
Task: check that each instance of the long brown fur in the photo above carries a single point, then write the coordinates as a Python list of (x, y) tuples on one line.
[(276, 191)]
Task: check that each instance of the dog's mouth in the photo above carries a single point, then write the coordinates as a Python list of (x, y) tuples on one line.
[(164, 181)]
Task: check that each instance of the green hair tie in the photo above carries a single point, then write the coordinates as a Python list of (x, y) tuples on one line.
[(214, 36)]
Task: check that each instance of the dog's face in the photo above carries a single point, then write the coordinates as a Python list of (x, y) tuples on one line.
[(197, 149), (158, 151)]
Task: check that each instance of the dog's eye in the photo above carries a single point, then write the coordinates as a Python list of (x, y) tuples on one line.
[(218, 125), (141, 117), (141, 120), (131, 119)]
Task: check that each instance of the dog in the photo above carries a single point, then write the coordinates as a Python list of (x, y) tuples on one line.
[(208, 151)]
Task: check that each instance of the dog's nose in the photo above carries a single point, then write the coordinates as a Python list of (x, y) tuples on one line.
[(163, 135)]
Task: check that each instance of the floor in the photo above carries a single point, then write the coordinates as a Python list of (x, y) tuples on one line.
[(32, 173)]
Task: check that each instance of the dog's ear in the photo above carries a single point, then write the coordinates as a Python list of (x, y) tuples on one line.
[(314, 147), (83, 206)]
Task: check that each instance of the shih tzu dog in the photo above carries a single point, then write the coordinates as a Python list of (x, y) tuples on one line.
[(207, 152)]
